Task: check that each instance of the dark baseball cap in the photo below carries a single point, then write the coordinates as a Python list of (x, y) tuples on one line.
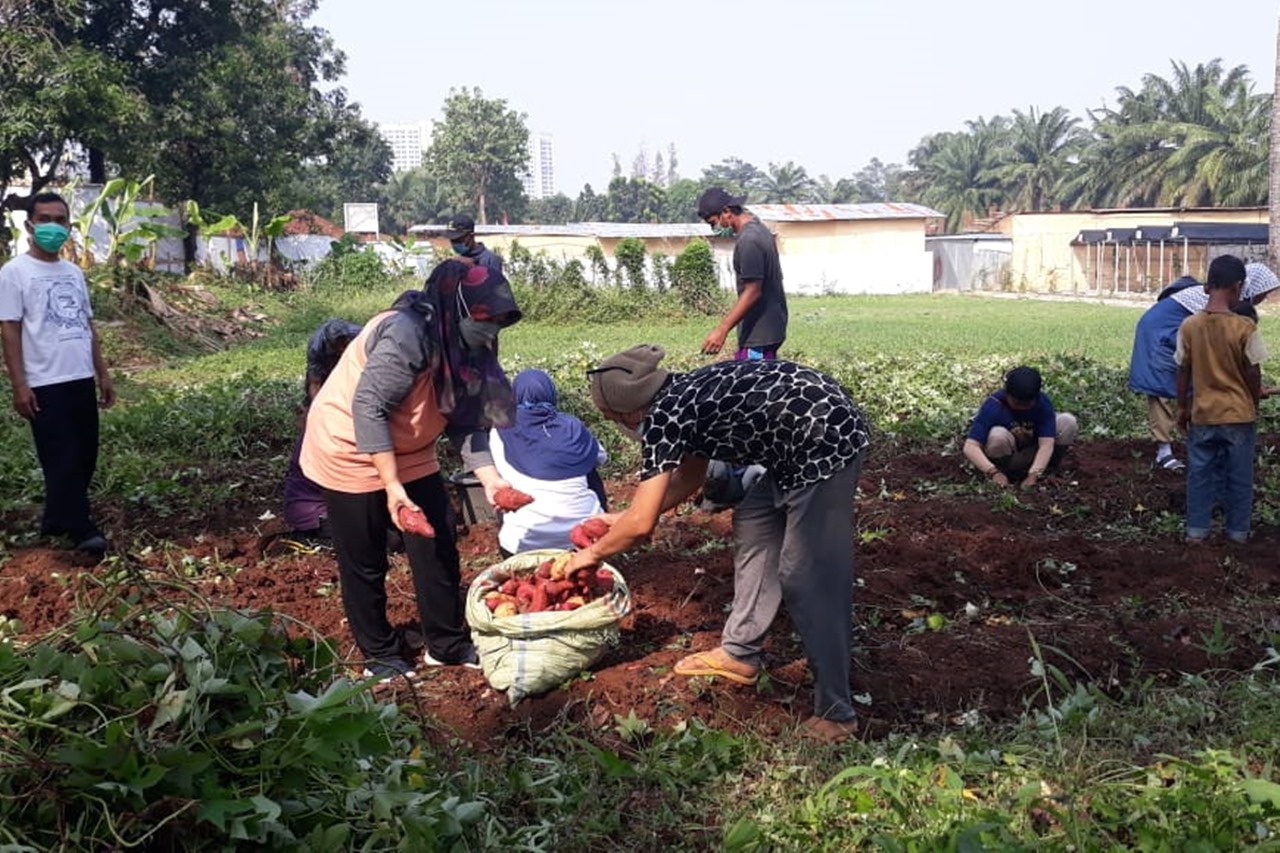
[(460, 226), (715, 200)]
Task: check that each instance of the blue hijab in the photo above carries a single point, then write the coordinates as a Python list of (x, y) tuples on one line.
[(545, 443)]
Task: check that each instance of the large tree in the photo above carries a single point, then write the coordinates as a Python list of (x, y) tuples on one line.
[(552, 210), (52, 92), (680, 200), (238, 102), (590, 207), (734, 175), (478, 152), (355, 167), (634, 200)]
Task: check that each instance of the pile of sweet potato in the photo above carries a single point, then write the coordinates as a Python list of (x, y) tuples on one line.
[(549, 587)]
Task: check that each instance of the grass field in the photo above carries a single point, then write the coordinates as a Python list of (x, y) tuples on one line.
[(821, 329)]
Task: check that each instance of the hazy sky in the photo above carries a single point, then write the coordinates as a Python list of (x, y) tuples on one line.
[(828, 85)]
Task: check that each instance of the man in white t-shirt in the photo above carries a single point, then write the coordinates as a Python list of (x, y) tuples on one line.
[(53, 356)]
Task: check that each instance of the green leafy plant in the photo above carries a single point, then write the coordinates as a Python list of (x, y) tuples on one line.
[(190, 727), (694, 279), (630, 255)]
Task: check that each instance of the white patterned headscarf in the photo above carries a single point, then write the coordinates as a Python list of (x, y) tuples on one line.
[(1259, 280), (1194, 299)]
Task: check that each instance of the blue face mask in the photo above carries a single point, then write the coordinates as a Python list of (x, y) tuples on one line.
[(459, 248), (50, 236)]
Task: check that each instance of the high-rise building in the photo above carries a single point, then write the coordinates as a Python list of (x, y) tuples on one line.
[(408, 143), (540, 180)]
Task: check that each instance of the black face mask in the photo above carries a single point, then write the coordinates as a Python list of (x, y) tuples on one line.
[(478, 334)]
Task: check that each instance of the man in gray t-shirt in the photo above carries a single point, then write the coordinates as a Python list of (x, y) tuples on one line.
[(760, 313)]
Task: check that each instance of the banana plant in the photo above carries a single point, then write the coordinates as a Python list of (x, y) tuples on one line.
[(131, 232), (209, 224), (258, 230)]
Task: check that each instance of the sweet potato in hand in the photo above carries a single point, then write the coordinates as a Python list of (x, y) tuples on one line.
[(508, 499), (588, 533), (415, 521)]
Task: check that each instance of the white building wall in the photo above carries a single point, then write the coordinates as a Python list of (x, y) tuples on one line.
[(540, 180), (408, 143)]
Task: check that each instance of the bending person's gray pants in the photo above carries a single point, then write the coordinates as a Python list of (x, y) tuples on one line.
[(797, 547)]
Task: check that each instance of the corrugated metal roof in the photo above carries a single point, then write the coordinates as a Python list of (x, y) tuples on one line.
[(820, 212), (975, 237), (586, 229)]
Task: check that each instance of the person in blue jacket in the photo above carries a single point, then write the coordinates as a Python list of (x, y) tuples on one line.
[(1152, 371)]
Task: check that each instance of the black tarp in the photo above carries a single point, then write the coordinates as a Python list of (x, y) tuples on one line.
[(1086, 237), (1219, 232), (1120, 235), (1153, 233)]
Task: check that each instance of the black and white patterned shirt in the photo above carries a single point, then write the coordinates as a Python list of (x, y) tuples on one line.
[(796, 422)]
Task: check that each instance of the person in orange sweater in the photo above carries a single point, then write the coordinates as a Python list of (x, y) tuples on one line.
[(426, 367)]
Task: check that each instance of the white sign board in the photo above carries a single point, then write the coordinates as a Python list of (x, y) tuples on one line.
[(360, 218)]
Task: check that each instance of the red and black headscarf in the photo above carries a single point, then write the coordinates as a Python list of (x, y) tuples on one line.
[(471, 387)]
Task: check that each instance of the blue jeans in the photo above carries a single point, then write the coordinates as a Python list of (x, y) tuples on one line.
[(1220, 467)]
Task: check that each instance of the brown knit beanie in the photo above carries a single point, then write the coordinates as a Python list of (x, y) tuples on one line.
[(628, 382)]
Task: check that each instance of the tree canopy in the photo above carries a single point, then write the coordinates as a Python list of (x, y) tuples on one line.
[(479, 150)]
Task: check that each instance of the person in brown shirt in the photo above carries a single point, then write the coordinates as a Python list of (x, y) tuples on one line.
[(1219, 384)]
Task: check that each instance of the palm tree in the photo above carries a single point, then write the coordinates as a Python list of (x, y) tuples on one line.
[(1198, 138), (1224, 161), (413, 198), (1040, 146), (958, 172), (788, 183)]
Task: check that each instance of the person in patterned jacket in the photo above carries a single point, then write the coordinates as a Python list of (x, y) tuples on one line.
[(794, 529)]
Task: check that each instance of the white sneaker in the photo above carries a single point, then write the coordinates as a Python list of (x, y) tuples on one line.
[(470, 661)]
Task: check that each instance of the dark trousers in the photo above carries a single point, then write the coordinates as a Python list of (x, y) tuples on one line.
[(66, 436), (358, 524)]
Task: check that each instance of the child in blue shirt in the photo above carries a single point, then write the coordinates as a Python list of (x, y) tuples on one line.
[(1016, 434)]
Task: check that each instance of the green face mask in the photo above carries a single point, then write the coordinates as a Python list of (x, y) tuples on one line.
[(50, 236), (724, 232)]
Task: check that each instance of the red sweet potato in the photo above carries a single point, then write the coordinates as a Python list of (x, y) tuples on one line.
[(415, 521), (541, 600), (587, 533), (556, 589), (595, 527), (509, 587), (579, 538), (508, 499), (604, 581), (493, 600)]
